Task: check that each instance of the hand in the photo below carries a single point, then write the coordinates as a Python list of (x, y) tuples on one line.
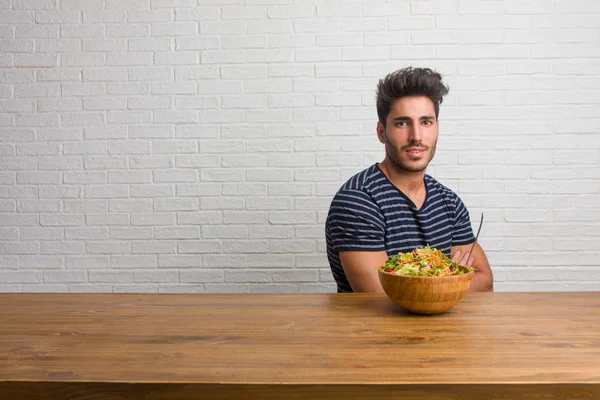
[(462, 261)]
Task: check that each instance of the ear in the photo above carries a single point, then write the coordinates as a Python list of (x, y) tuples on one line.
[(380, 132)]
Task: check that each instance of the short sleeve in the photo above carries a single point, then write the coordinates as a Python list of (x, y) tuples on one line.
[(355, 223), (463, 232)]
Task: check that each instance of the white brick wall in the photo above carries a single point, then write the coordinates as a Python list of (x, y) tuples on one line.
[(194, 146)]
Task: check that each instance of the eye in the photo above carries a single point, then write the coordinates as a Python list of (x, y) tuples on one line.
[(427, 122), (401, 124)]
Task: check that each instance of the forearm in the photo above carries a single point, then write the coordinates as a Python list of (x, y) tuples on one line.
[(482, 282)]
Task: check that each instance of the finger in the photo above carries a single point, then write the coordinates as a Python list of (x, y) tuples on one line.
[(456, 256), (465, 259), (471, 261)]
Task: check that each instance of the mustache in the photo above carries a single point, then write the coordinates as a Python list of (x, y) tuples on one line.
[(419, 146)]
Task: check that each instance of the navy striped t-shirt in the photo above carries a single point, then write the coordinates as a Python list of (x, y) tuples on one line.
[(369, 213)]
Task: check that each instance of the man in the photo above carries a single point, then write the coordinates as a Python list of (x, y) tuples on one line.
[(394, 206)]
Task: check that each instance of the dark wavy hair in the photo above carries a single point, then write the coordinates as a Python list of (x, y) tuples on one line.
[(409, 82)]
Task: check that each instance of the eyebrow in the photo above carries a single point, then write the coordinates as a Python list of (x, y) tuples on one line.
[(423, 118)]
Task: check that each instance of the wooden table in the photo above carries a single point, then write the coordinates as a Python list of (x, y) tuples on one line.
[(293, 346)]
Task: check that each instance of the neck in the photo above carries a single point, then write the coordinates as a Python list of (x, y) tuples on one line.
[(408, 182)]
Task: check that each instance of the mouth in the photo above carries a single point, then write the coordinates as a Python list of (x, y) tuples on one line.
[(415, 152)]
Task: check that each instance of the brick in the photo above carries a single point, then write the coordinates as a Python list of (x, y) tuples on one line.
[(179, 288), (200, 189), (174, 29), (127, 4), (179, 261), (19, 192), (318, 55), (9, 262), (296, 276), (153, 219), (107, 219), (38, 90), (111, 276), (199, 246), (223, 260), (83, 89), (244, 189), (138, 288), (9, 277), (128, 117), (129, 59), (129, 177), (108, 247), (38, 177), (130, 262), (7, 178), (57, 17), (19, 219), (11, 233), (105, 74), (49, 105), (177, 204), (89, 288), (86, 233), (269, 232), (221, 175), (61, 192), (247, 276), (181, 232), (150, 44), (131, 233), (7, 206), (148, 102), (154, 247), (176, 176), (84, 177), (81, 31), (176, 58), (309, 232), (129, 147), (201, 276), (245, 217), (219, 203), (38, 206), (35, 60), (129, 205), (129, 89), (152, 190), (106, 191), (36, 31), (193, 102), (269, 175), (85, 60), (62, 247), (129, 30), (65, 276), (156, 276), (17, 163), (149, 16)]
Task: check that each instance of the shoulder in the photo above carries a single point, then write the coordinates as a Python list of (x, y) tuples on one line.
[(364, 180), (355, 197), (443, 192), (360, 188)]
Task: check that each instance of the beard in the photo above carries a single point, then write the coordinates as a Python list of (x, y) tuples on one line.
[(395, 156)]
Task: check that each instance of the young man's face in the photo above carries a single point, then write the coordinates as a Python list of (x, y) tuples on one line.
[(410, 134)]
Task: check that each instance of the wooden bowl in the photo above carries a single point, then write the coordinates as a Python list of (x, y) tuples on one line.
[(426, 294)]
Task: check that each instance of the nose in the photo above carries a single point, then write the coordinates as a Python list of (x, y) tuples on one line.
[(416, 133)]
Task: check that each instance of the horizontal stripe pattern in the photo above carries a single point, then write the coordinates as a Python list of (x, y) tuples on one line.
[(369, 213)]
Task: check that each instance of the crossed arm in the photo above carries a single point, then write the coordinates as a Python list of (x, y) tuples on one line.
[(361, 268)]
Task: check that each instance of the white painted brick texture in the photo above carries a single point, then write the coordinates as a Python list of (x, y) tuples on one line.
[(194, 146)]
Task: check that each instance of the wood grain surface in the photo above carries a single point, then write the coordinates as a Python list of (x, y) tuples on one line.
[(224, 346)]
